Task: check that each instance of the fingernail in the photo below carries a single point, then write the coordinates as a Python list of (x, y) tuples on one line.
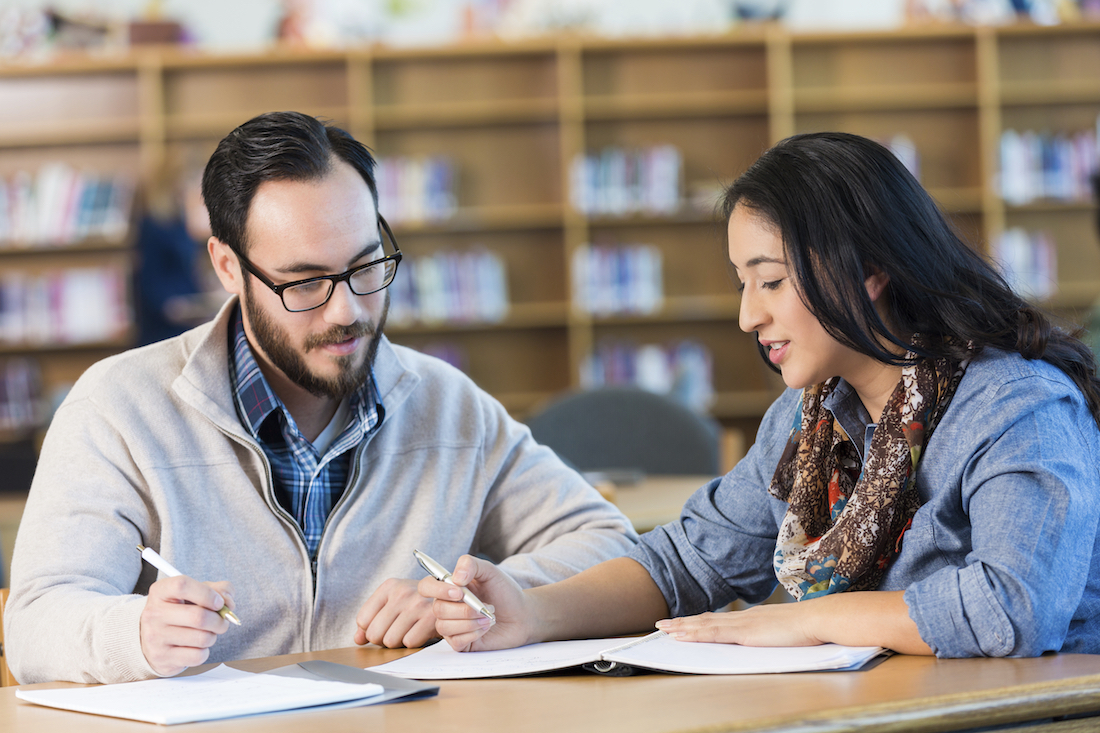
[(662, 624), (219, 601), (484, 622), (461, 576), (454, 593)]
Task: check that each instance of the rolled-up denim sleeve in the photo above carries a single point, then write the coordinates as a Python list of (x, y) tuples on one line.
[(721, 548), (1029, 487)]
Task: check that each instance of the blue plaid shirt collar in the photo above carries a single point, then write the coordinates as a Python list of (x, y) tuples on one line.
[(256, 401)]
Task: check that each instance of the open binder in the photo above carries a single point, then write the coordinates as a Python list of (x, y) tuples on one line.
[(656, 652)]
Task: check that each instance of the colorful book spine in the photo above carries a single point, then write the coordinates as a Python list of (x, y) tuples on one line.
[(618, 279), (450, 287), (21, 402), (1037, 166), (416, 189), (69, 306), (59, 205), (683, 370), (1029, 262), (622, 182)]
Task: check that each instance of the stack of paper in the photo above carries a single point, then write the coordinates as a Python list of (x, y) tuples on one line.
[(223, 692)]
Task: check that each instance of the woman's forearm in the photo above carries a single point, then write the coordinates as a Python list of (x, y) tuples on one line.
[(869, 618), (614, 597)]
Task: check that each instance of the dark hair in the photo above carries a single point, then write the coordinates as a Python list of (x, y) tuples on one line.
[(846, 207), (277, 146)]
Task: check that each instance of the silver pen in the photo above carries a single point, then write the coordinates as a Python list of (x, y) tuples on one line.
[(439, 572), (151, 556)]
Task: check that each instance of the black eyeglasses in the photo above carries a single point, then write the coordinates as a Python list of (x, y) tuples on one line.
[(314, 292)]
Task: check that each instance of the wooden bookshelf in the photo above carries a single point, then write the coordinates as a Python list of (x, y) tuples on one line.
[(513, 116), (86, 113)]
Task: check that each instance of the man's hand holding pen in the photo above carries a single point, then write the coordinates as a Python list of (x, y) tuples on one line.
[(182, 617), (180, 622)]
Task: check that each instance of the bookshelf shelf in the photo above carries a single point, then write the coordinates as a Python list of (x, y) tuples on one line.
[(746, 404), (687, 214), (70, 133), (32, 349), (520, 316), (688, 104), (1030, 93), (457, 114), (1051, 207), (513, 117), (217, 124), (887, 97), (965, 199), (680, 308), (96, 245), (1075, 295)]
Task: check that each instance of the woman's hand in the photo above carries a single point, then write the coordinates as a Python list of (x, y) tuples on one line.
[(778, 624), (862, 618), (465, 629)]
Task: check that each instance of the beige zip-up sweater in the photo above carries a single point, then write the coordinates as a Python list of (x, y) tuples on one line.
[(148, 449)]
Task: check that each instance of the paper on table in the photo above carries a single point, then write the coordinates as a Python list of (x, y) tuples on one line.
[(657, 651), (222, 692), (440, 662), (662, 652)]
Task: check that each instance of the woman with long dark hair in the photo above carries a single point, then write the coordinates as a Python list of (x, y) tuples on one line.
[(930, 481)]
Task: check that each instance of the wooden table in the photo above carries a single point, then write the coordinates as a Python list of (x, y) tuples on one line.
[(913, 694)]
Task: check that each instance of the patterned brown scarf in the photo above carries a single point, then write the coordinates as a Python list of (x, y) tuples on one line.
[(844, 526)]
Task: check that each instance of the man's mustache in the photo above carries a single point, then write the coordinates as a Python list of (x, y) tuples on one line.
[(339, 334)]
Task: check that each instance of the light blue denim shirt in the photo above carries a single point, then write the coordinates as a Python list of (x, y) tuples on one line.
[(1002, 558)]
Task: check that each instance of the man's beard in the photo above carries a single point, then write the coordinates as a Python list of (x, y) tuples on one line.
[(275, 342)]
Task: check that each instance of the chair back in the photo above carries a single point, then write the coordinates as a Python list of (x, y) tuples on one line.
[(628, 429)]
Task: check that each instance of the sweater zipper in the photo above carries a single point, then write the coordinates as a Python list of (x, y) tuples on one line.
[(269, 496), (353, 478)]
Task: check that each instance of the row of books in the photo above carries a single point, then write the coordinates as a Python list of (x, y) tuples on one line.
[(61, 205), (1044, 165), (620, 181), (617, 278), (416, 189), (70, 306), (1029, 262), (682, 370), (20, 394), (460, 287), (905, 150)]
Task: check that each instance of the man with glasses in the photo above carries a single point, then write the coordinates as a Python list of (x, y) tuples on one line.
[(285, 452)]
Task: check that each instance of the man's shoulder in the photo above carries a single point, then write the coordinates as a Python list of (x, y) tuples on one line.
[(153, 366), (431, 396), (395, 363)]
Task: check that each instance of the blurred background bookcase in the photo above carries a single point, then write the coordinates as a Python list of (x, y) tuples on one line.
[(511, 119)]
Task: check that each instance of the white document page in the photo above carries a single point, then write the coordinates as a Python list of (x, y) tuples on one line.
[(222, 692), (440, 662), (657, 651), (660, 651)]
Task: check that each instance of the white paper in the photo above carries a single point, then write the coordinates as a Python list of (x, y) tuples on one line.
[(657, 651), (222, 692), (440, 662), (662, 652)]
